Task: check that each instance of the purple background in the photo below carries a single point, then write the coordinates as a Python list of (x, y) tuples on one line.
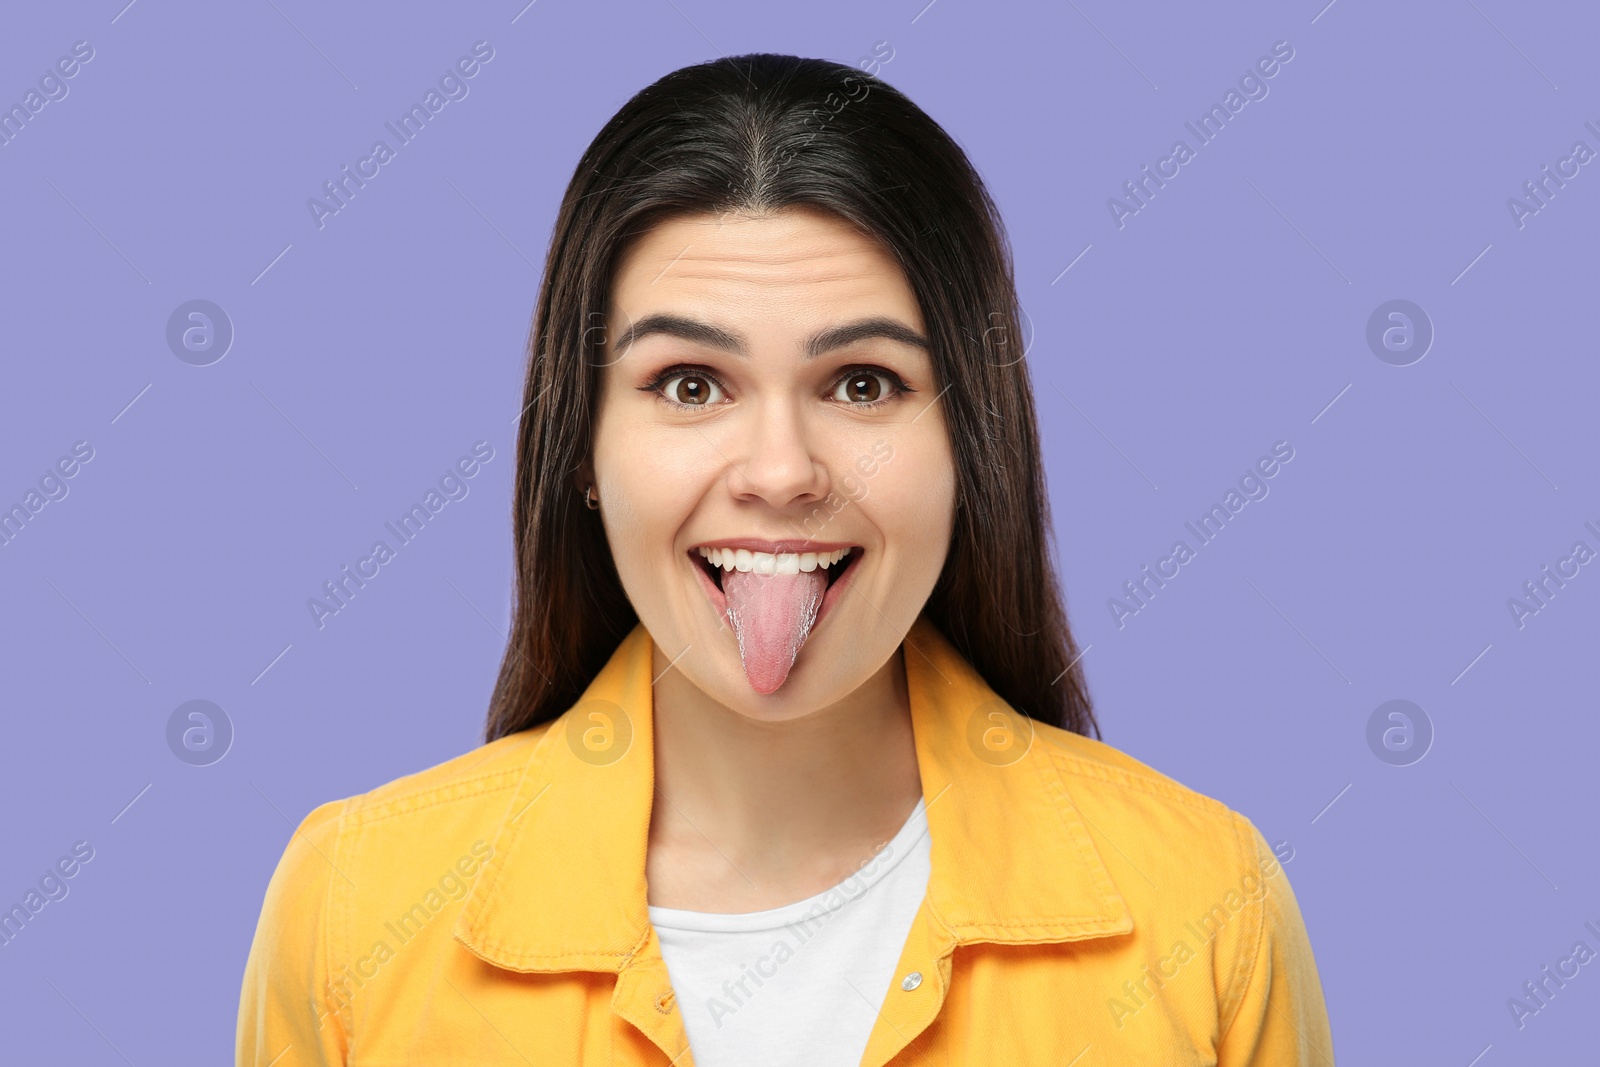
[(1228, 314)]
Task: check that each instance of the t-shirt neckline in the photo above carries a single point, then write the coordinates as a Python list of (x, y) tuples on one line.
[(851, 888)]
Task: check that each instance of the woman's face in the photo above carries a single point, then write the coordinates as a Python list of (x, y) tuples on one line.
[(766, 399)]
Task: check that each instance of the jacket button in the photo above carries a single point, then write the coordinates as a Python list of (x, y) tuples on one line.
[(911, 981)]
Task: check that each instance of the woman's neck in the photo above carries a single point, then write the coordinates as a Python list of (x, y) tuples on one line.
[(752, 814)]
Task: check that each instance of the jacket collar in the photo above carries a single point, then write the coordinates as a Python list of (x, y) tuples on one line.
[(1012, 859)]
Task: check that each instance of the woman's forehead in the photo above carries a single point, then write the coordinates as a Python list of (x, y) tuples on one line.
[(796, 243), (806, 264)]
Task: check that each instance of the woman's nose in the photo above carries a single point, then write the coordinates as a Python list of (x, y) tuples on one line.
[(776, 460)]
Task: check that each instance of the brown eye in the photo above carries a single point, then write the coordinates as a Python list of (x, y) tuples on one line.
[(689, 390), (864, 387)]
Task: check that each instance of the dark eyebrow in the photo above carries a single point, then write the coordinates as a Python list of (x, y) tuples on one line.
[(704, 333)]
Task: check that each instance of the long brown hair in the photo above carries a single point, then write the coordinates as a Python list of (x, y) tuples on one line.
[(761, 132)]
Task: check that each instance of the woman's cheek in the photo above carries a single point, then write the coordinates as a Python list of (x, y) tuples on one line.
[(916, 488)]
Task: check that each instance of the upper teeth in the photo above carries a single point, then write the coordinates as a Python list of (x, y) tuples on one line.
[(771, 563)]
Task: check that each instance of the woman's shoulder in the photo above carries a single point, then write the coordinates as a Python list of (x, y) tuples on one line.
[(1107, 767), (1199, 882), (359, 878), (474, 783), (1144, 810), (476, 777), (434, 816)]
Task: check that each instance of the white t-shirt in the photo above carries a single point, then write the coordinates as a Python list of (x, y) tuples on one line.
[(802, 983)]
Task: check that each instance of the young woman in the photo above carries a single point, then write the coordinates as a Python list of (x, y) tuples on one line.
[(788, 760)]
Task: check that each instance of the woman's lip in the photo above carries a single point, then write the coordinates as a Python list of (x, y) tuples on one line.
[(756, 544), (834, 592), (718, 600)]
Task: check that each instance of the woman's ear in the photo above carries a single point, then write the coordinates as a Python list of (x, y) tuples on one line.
[(583, 478)]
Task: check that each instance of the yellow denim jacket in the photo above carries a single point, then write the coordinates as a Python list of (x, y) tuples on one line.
[(1082, 909)]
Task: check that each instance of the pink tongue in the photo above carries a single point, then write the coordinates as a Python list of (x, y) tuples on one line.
[(772, 615)]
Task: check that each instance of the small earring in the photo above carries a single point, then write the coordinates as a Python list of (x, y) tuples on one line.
[(590, 499)]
